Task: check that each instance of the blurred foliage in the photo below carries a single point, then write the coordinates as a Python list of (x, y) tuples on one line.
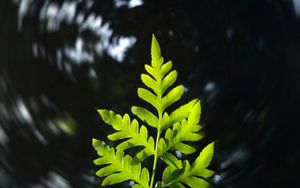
[(242, 57)]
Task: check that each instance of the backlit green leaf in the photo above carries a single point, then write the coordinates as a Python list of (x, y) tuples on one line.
[(205, 157), (173, 96), (195, 182), (150, 83), (148, 97), (174, 133), (186, 130), (153, 72), (177, 115), (165, 68), (130, 130), (169, 80), (161, 146), (120, 167), (193, 176), (184, 148), (111, 118), (155, 53), (145, 115), (194, 116), (171, 160)]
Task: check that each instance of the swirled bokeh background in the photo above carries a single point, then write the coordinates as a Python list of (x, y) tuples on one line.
[(60, 60)]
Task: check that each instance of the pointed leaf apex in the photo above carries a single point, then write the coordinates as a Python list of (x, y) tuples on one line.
[(155, 49), (94, 141), (205, 156), (194, 117), (97, 144), (102, 112)]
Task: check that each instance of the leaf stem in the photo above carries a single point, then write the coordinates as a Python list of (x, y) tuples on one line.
[(156, 150)]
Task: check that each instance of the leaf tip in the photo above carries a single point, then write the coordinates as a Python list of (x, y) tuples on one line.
[(133, 109), (102, 112), (155, 49), (96, 143)]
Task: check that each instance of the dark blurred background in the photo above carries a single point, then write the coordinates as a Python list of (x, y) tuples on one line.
[(62, 60)]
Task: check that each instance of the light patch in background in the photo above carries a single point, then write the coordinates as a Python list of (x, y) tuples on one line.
[(53, 15), (178, 154), (3, 137), (52, 180), (115, 49), (131, 183), (119, 48), (211, 89), (238, 156), (24, 6), (92, 23), (129, 4), (23, 113), (229, 32), (66, 124), (92, 73), (217, 178), (78, 54), (297, 7), (134, 3), (82, 51), (210, 86)]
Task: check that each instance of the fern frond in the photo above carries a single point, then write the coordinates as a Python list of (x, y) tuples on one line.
[(130, 130), (179, 127), (186, 130), (192, 175), (159, 79), (119, 167)]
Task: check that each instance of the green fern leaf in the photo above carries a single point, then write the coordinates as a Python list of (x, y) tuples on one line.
[(171, 160), (128, 130), (177, 115), (173, 96), (145, 115), (119, 167), (192, 175), (186, 130), (159, 80), (179, 127)]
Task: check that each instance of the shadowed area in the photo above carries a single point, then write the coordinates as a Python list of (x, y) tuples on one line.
[(62, 60)]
